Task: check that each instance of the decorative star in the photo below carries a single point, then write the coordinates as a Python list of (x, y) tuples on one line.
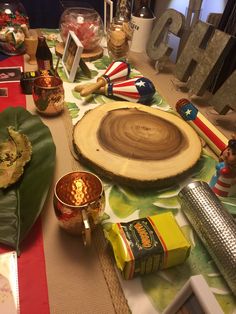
[(140, 84), (188, 112)]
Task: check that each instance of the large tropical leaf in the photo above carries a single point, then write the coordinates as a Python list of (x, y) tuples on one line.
[(21, 203)]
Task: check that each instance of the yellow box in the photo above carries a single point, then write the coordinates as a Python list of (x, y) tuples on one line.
[(147, 244)]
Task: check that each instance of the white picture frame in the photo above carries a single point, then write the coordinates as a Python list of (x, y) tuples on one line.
[(71, 55), (195, 295), (108, 14)]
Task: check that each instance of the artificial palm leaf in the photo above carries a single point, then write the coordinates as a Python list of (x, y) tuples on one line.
[(22, 202)]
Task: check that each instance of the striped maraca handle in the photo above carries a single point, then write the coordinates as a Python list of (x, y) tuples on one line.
[(78, 88), (87, 90), (117, 70)]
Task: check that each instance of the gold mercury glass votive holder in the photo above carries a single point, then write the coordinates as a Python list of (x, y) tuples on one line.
[(48, 95), (79, 203)]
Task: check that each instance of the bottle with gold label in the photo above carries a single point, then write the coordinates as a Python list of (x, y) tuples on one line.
[(43, 55)]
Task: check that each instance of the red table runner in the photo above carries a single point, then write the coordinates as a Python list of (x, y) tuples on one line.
[(15, 96), (31, 263)]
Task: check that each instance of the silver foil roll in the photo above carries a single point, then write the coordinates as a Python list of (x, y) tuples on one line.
[(214, 225)]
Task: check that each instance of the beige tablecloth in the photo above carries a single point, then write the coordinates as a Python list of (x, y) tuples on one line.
[(80, 280)]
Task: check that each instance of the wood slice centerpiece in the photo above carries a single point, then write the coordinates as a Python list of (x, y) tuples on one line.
[(136, 145)]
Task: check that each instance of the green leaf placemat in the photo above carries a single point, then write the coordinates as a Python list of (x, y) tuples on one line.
[(22, 202)]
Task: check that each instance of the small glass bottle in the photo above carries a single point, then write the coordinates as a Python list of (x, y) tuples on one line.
[(43, 55)]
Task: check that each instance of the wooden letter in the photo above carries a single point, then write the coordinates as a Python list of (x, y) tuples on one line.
[(225, 96), (199, 60), (172, 21)]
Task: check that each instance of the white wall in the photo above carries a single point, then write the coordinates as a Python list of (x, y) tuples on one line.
[(208, 6)]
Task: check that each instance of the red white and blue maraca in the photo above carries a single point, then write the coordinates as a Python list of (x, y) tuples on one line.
[(139, 89), (116, 71)]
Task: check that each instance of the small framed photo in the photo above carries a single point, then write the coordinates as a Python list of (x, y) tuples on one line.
[(108, 14), (10, 74), (3, 92), (71, 55), (194, 297)]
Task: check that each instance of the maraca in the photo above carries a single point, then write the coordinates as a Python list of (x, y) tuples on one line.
[(139, 89), (213, 137), (117, 70)]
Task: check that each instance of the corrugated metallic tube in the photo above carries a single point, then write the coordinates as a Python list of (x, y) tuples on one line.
[(214, 225)]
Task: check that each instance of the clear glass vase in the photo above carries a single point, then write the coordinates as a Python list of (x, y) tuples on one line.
[(87, 25), (12, 16)]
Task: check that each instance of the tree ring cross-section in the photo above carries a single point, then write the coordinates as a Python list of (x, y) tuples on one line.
[(136, 145)]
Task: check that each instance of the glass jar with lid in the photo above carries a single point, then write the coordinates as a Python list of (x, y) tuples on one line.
[(119, 33), (12, 16), (118, 39)]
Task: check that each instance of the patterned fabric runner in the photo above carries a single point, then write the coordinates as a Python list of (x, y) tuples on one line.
[(31, 263)]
